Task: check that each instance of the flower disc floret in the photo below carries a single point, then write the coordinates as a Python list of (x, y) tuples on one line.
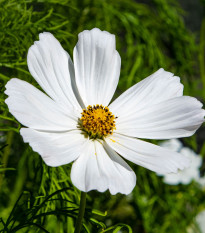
[(97, 121)]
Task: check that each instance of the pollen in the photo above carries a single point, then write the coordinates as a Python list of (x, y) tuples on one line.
[(97, 121)]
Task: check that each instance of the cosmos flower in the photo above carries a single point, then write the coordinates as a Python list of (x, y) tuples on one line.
[(200, 219), (188, 174), (200, 222), (201, 181), (74, 120)]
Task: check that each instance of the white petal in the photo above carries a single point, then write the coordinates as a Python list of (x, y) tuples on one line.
[(101, 168), (97, 66), (56, 149), (172, 144), (148, 155), (158, 87), (53, 69), (200, 219), (174, 179), (188, 174), (34, 109), (85, 173), (174, 118)]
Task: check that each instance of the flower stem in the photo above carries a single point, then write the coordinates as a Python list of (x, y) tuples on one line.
[(81, 212)]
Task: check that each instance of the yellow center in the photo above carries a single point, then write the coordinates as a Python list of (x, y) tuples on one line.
[(97, 121)]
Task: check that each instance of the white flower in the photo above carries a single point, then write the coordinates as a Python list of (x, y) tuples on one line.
[(201, 181), (61, 132), (188, 174), (172, 144), (200, 221)]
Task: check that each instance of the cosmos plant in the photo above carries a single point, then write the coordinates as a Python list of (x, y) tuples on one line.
[(75, 120)]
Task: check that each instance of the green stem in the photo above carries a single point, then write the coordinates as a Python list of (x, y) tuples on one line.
[(81, 212)]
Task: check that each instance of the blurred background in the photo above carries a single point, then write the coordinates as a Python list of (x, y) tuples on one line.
[(149, 34)]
